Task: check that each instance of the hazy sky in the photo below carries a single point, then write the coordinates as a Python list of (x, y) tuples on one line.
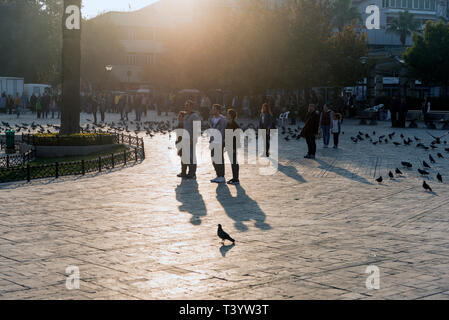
[(92, 7)]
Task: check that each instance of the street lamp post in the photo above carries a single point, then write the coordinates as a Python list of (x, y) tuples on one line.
[(71, 60), (108, 69)]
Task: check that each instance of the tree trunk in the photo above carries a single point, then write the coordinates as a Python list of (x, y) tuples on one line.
[(71, 61)]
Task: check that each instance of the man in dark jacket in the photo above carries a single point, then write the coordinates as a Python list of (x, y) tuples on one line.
[(310, 130)]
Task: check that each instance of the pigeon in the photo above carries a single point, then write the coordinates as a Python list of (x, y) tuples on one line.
[(398, 171), (425, 164), (439, 177), (390, 174), (440, 155), (423, 172), (223, 235), (431, 158), (437, 139), (406, 164), (426, 186), (396, 143), (380, 179)]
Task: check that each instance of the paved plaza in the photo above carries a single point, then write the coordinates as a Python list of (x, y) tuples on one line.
[(307, 232)]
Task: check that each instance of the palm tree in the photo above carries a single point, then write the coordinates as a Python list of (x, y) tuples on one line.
[(344, 13), (404, 25)]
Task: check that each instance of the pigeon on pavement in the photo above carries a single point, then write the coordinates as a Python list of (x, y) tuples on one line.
[(426, 186), (223, 235)]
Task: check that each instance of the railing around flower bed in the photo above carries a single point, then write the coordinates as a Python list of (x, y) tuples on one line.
[(58, 169), (14, 160)]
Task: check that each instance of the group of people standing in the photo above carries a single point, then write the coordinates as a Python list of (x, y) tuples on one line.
[(45, 104), (10, 103), (42, 105), (329, 122), (94, 103), (219, 122)]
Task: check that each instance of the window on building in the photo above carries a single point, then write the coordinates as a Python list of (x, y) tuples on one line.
[(132, 34), (384, 3), (131, 59), (427, 4), (421, 4), (404, 4), (149, 59), (432, 4), (392, 3), (415, 4)]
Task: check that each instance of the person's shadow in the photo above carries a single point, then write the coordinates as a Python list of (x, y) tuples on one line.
[(224, 249), (241, 208), (191, 200)]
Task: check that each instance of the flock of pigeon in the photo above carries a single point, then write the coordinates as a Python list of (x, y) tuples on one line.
[(407, 141), (150, 128)]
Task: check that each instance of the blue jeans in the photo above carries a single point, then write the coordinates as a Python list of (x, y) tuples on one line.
[(326, 134)]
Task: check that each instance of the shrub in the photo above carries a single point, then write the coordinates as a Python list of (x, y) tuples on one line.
[(80, 139)]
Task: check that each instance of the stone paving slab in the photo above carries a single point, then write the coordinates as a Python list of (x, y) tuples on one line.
[(307, 232)]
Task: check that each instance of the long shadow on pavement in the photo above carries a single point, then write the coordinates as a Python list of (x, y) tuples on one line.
[(191, 200), (342, 172), (241, 208)]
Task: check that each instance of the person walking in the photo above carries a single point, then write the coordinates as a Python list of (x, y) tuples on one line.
[(218, 122), (336, 128), (9, 103), (52, 106), (3, 101), (39, 106), (122, 106), (395, 106), (33, 101), (178, 143), (232, 154), (266, 122), (189, 120), (17, 104), (325, 124), (94, 107), (403, 110), (310, 130), (45, 104), (23, 102)]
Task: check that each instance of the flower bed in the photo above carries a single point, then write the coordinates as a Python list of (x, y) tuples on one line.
[(81, 139)]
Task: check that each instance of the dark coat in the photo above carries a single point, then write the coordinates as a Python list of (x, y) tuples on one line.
[(311, 124), (233, 126), (267, 123)]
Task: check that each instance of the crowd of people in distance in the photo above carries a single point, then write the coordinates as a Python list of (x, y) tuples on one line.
[(42, 105)]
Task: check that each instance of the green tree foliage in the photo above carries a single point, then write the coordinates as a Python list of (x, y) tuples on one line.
[(403, 26), (100, 46), (345, 49), (344, 13), (31, 40), (427, 60)]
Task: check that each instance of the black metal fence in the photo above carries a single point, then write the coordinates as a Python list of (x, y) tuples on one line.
[(14, 160), (58, 169)]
